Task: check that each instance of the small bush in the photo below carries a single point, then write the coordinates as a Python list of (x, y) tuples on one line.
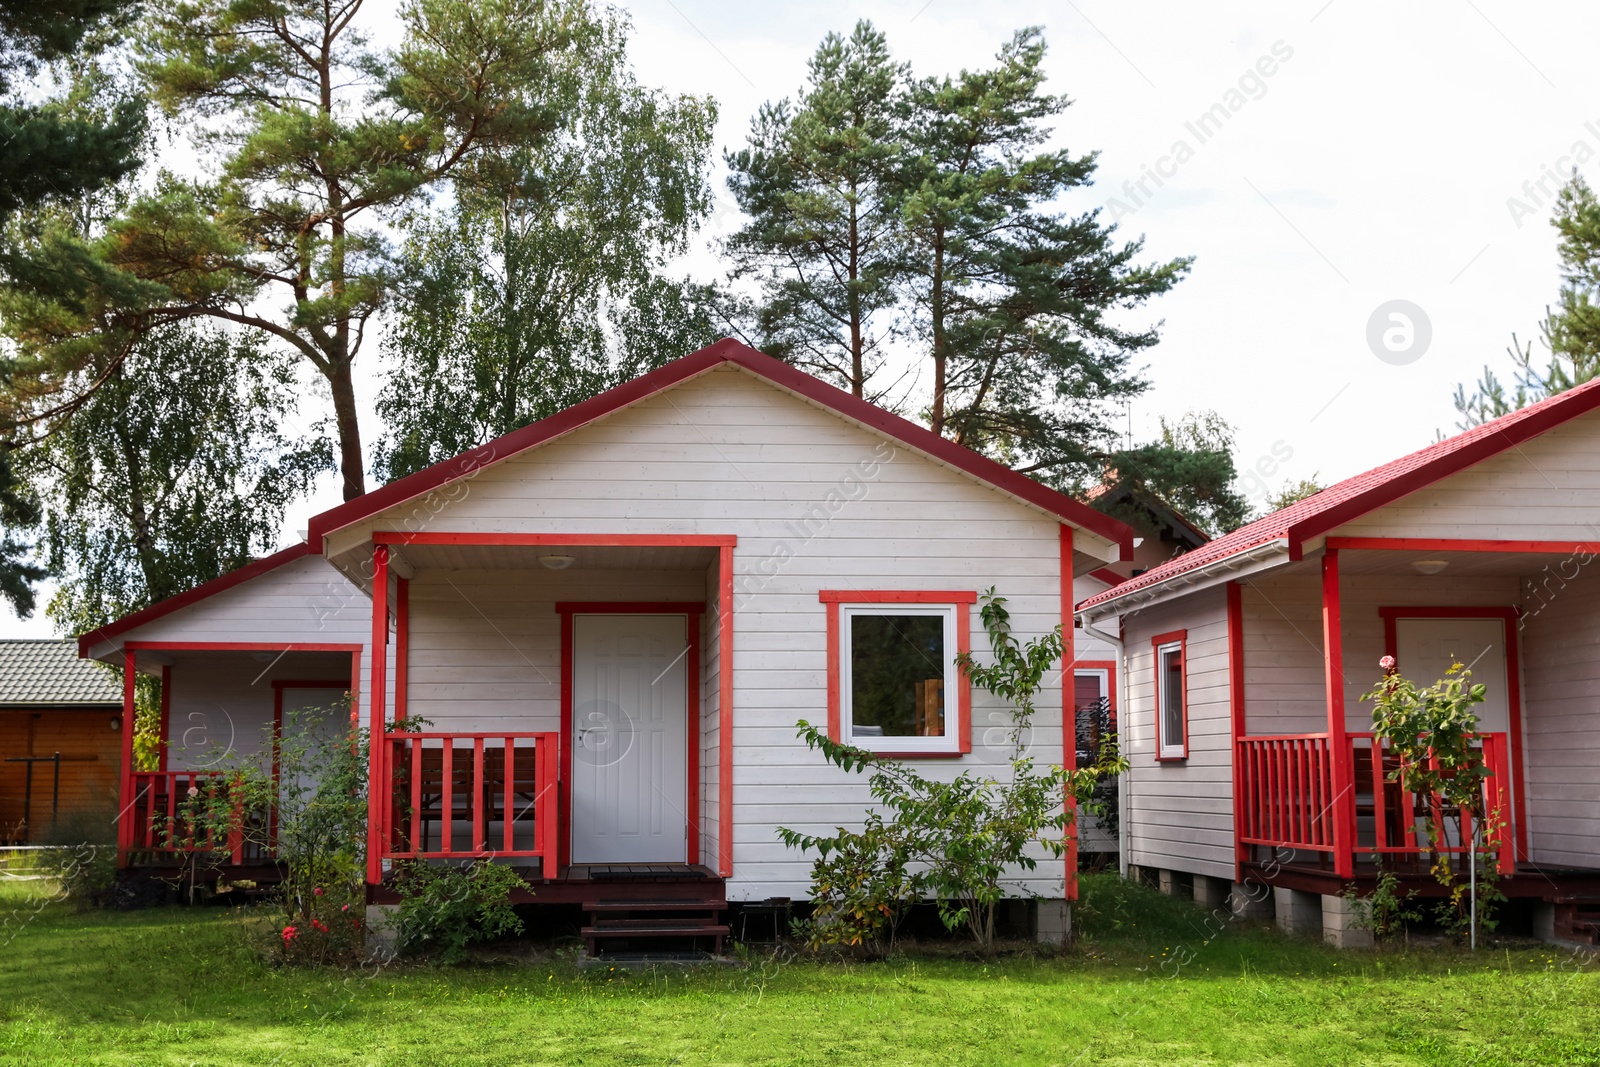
[(443, 909)]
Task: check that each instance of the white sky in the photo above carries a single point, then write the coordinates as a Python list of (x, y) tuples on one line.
[(1375, 163)]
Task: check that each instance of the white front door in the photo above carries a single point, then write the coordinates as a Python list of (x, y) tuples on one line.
[(1425, 649), (629, 743)]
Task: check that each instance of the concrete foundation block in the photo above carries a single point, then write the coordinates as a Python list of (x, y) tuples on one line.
[(1297, 912), (1250, 900), (1339, 927), (1211, 893), (1052, 921), (383, 932)]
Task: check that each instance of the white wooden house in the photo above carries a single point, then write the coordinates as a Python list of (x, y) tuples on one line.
[(1253, 763), (612, 621)]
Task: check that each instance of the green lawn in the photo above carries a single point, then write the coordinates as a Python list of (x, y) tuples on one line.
[(178, 986)]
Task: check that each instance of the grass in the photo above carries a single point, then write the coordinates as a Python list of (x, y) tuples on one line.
[(1149, 983)]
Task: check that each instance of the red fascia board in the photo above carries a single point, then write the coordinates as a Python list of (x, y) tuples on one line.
[(1447, 544), (1110, 577), (445, 537), (1469, 452), (690, 366), (192, 596)]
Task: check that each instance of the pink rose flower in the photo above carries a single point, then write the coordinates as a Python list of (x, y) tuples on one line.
[(1387, 663)]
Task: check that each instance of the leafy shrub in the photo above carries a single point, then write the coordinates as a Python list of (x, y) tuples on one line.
[(956, 840), (1384, 912), (445, 908)]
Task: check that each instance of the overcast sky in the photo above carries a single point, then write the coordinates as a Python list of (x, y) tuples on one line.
[(1370, 152)]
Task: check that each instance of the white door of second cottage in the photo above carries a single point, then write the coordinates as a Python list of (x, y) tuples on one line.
[(629, 742)]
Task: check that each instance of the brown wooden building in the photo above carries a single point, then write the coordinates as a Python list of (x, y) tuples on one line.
[(60, 740)]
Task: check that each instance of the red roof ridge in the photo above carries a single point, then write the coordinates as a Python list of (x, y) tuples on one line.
[(1356, 496), (724, 352)]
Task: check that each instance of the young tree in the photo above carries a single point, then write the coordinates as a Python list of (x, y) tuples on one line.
[(544, 284), (174, 471), (824, 238), (1570, 332), (312, 136), (1012, 297)]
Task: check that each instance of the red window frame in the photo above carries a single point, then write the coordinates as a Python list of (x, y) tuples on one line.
[(1181, 639), (961, 600)]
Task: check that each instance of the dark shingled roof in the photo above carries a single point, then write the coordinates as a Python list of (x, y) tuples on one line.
[(48, 673)]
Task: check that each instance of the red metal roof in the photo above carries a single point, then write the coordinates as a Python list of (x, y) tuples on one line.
[(1350, 499), (726, 351)]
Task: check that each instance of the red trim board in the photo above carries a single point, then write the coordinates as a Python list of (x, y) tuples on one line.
[(962, 600), (780, 374), (1508, 617), (377, 808), (725, 608), (1344, 812), (1452, 544), (1181, 639), (646, 540), (691, 612)]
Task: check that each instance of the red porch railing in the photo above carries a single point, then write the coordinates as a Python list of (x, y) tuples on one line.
[(468, 795), (1288, 798), (157, 821)]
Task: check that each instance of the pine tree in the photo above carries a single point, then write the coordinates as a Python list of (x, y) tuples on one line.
[(824, 239), (1570, 332)]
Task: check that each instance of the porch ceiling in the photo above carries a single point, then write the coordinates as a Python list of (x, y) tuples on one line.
[(1458, 564), (526, 557)]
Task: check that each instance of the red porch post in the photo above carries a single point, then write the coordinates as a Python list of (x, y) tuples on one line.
[(125, 820), (1338, 744), (377, 780), (1237, 722)]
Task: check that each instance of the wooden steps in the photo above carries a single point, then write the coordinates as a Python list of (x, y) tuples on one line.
[(1578, 919), (614, 922)]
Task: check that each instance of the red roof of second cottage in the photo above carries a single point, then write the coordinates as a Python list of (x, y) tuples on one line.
[(1345, 501)]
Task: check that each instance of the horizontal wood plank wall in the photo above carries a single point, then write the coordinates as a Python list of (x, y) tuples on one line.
[(486, 644), (816, 503), (1561, 677), (88, 791), (1283, 640), (1181, 813), (1545, 489), (304, 601), (221, 706)]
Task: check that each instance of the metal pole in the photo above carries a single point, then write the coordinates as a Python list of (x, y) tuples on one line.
[(1472, 867)]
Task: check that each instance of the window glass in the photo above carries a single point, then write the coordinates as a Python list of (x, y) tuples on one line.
[(1171, 680), (898, 668)]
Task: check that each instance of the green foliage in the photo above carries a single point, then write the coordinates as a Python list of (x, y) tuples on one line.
[(310, 813), (956, 840), (173, 470), (543, 285), (1570, 332), (315, 135), (1432, 731), (55, 152), (1293, 492), (447, 907), (824, 240), (1384, 912)]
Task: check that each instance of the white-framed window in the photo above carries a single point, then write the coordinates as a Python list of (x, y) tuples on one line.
[(1171, 685), (898, 682)]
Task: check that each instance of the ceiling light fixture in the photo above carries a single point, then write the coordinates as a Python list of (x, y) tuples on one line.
[(557, 563), (1429, 566)]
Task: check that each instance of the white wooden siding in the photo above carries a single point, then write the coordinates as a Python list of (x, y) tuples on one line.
[(1561, 719), (221, 704), (1180, 814), (1544, 489), (817, 503)]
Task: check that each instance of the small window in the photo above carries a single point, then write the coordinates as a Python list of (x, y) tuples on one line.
[(898, 676), (1172, 739)]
